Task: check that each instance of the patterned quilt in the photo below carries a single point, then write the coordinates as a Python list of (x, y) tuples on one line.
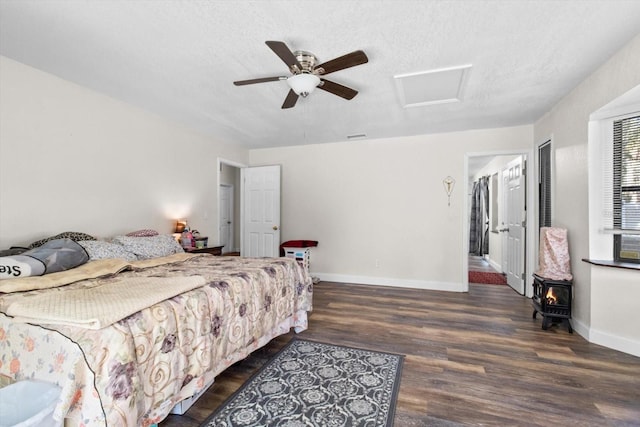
[(135, 370)]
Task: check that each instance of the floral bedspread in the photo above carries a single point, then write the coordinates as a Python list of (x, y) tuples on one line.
[(134, 371)]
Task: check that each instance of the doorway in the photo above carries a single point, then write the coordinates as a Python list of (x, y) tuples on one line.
[(500, 257), (229, 211), (227, 221)]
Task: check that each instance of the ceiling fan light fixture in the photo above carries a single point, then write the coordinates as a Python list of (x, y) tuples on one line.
[(305, 73), (303, 84)]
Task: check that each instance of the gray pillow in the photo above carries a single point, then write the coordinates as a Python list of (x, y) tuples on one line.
[(51, 257)]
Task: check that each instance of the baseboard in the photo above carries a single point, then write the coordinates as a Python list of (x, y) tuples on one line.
[(387, 281), (580, 328), (495, 265), (605, 339), (622, 344)]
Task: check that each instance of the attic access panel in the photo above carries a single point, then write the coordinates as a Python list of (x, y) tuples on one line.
[(432, 87)]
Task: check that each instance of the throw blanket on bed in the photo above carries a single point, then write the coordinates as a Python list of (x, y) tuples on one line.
[(110, 300), (96, 296), (90, 270)]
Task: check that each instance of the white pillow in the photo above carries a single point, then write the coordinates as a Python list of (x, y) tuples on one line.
[(99, 249), (150, 247)]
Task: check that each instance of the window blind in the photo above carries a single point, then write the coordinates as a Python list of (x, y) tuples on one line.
[(626, 173), (544, 184), (626, 188)]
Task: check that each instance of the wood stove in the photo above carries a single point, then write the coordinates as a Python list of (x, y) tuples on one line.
[(552, 299)]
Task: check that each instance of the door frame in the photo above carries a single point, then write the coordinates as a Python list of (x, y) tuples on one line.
[(504, 238), (530, 235), (220, 161), (230, 188)]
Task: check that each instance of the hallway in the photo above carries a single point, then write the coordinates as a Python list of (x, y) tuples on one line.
[(478, 263), (481, 272)]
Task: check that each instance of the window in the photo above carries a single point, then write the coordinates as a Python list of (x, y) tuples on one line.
[(544, 185), (626, 189)]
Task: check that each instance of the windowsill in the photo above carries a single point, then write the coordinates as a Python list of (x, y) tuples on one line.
[(614, 264)]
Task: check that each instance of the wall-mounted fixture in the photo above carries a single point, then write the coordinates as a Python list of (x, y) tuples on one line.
[(448, 183)]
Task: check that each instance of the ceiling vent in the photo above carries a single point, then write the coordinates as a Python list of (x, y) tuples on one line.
[(432, 87)]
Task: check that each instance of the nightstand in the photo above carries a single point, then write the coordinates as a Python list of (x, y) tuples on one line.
[(213, 250)]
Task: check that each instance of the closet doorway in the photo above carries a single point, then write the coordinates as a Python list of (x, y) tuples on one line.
[(229, 210), (227, 221)]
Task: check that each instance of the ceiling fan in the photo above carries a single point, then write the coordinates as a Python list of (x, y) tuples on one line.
[(305, 74)]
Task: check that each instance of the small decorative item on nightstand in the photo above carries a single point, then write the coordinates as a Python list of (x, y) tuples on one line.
[(201, 242), (187, 239)]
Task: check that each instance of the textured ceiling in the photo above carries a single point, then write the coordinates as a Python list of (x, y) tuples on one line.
[(179, 59)]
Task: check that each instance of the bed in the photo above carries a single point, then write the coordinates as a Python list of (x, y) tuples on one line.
[(128, 340)]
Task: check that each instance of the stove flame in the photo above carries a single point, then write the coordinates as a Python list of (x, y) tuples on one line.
[(551, 297)]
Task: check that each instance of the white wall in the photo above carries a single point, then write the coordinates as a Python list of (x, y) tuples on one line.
[(75, 160), (568, 122), (615, 302), (378, 208)]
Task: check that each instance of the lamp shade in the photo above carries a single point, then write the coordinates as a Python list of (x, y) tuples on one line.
[(303, 84), (180, 226)]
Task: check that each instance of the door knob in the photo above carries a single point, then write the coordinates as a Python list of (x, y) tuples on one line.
[(228, 222), (275, 227), (503, 229)]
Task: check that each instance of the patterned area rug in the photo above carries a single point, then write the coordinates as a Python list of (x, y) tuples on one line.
[(314, 384), (487, 278)]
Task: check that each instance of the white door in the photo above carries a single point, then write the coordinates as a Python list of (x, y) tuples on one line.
[(261, 211), (516, 223), (226, 218), (504, 236)]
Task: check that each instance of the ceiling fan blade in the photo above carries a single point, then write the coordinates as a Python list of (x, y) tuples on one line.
[(281, 49), (352, 59), (337, 89), (290, 100), (261, 80)]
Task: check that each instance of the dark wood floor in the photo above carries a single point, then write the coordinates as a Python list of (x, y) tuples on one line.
[(475, 358)]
